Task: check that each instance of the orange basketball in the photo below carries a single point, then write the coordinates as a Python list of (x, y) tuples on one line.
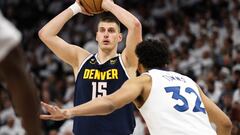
[(92, 6)]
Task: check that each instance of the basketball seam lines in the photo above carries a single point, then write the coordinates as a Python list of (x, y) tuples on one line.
[(95, 5), (87, 5), (100, 7)]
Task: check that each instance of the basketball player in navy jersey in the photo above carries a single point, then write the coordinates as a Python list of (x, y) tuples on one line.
[(13, 73), (99, 74), (170, 103)]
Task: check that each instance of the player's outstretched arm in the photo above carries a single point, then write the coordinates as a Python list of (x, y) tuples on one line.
[(55, 113), (217, 116), (70, 54), (129, 91), (134, 31), (98, 106)]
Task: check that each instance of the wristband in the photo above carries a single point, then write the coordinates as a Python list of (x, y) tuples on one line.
[(75, 8)]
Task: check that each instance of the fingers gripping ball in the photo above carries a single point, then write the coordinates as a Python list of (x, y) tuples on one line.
[(92, 6)]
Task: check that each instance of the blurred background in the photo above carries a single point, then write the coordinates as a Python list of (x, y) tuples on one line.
[(204, 39)]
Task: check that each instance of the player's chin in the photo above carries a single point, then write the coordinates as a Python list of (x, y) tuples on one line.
[(107, 47)]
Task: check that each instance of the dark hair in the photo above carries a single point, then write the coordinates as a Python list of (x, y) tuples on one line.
[(153, 53), (109, 18)]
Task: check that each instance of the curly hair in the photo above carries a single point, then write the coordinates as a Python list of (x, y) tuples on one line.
[(153, 53)]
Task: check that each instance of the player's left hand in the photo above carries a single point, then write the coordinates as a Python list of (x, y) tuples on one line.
[(105, 4), (55, 113)]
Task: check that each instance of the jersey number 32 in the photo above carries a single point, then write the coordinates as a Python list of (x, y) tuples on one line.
[(182, 108)]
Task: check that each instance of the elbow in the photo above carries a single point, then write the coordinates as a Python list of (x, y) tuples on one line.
[(110, 106), (227, 124), (41, 34), (137, 25)]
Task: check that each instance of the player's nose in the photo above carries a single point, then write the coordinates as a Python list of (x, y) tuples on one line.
[(106, 35)]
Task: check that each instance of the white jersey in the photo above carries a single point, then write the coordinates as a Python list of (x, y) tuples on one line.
[(174, 106), (9, 37)]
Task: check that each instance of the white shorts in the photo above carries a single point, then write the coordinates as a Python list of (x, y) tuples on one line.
[(10, 37)]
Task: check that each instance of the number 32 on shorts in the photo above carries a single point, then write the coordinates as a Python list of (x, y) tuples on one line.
[(99, 89), (182, 108)]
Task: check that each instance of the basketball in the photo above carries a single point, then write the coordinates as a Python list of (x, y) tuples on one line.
[(92, 6)]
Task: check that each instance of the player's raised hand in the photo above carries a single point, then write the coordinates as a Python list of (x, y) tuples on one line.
[(105, 4), (55, 113)]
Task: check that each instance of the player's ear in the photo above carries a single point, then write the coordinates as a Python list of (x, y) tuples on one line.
[(140, 68), (96, 36), (120, 36)]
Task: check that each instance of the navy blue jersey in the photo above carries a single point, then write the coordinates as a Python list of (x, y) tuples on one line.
[(96, 80)]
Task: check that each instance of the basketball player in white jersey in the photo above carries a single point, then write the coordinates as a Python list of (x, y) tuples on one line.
[(170, 103), (13, 73)]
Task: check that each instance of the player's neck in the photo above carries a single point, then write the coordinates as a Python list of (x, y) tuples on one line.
[(105, 56)]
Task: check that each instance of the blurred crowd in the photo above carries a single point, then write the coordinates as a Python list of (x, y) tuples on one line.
[(203, 36)]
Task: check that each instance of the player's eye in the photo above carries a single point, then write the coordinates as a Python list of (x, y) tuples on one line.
[(111, 30), (101, 30)]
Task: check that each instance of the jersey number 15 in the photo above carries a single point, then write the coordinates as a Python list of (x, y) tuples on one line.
[(99, 89)]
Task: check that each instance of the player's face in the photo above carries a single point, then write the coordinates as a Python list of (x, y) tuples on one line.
[(108, 35)]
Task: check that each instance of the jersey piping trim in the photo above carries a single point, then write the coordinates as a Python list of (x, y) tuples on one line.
[(96, 57), (84, 61), (121, 61)]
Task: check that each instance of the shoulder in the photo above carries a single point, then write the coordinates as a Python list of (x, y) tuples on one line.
[(142, 77), (141, 80), (83, 62), (145, 77)]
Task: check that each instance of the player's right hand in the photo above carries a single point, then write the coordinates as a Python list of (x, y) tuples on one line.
[(55, 113)]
